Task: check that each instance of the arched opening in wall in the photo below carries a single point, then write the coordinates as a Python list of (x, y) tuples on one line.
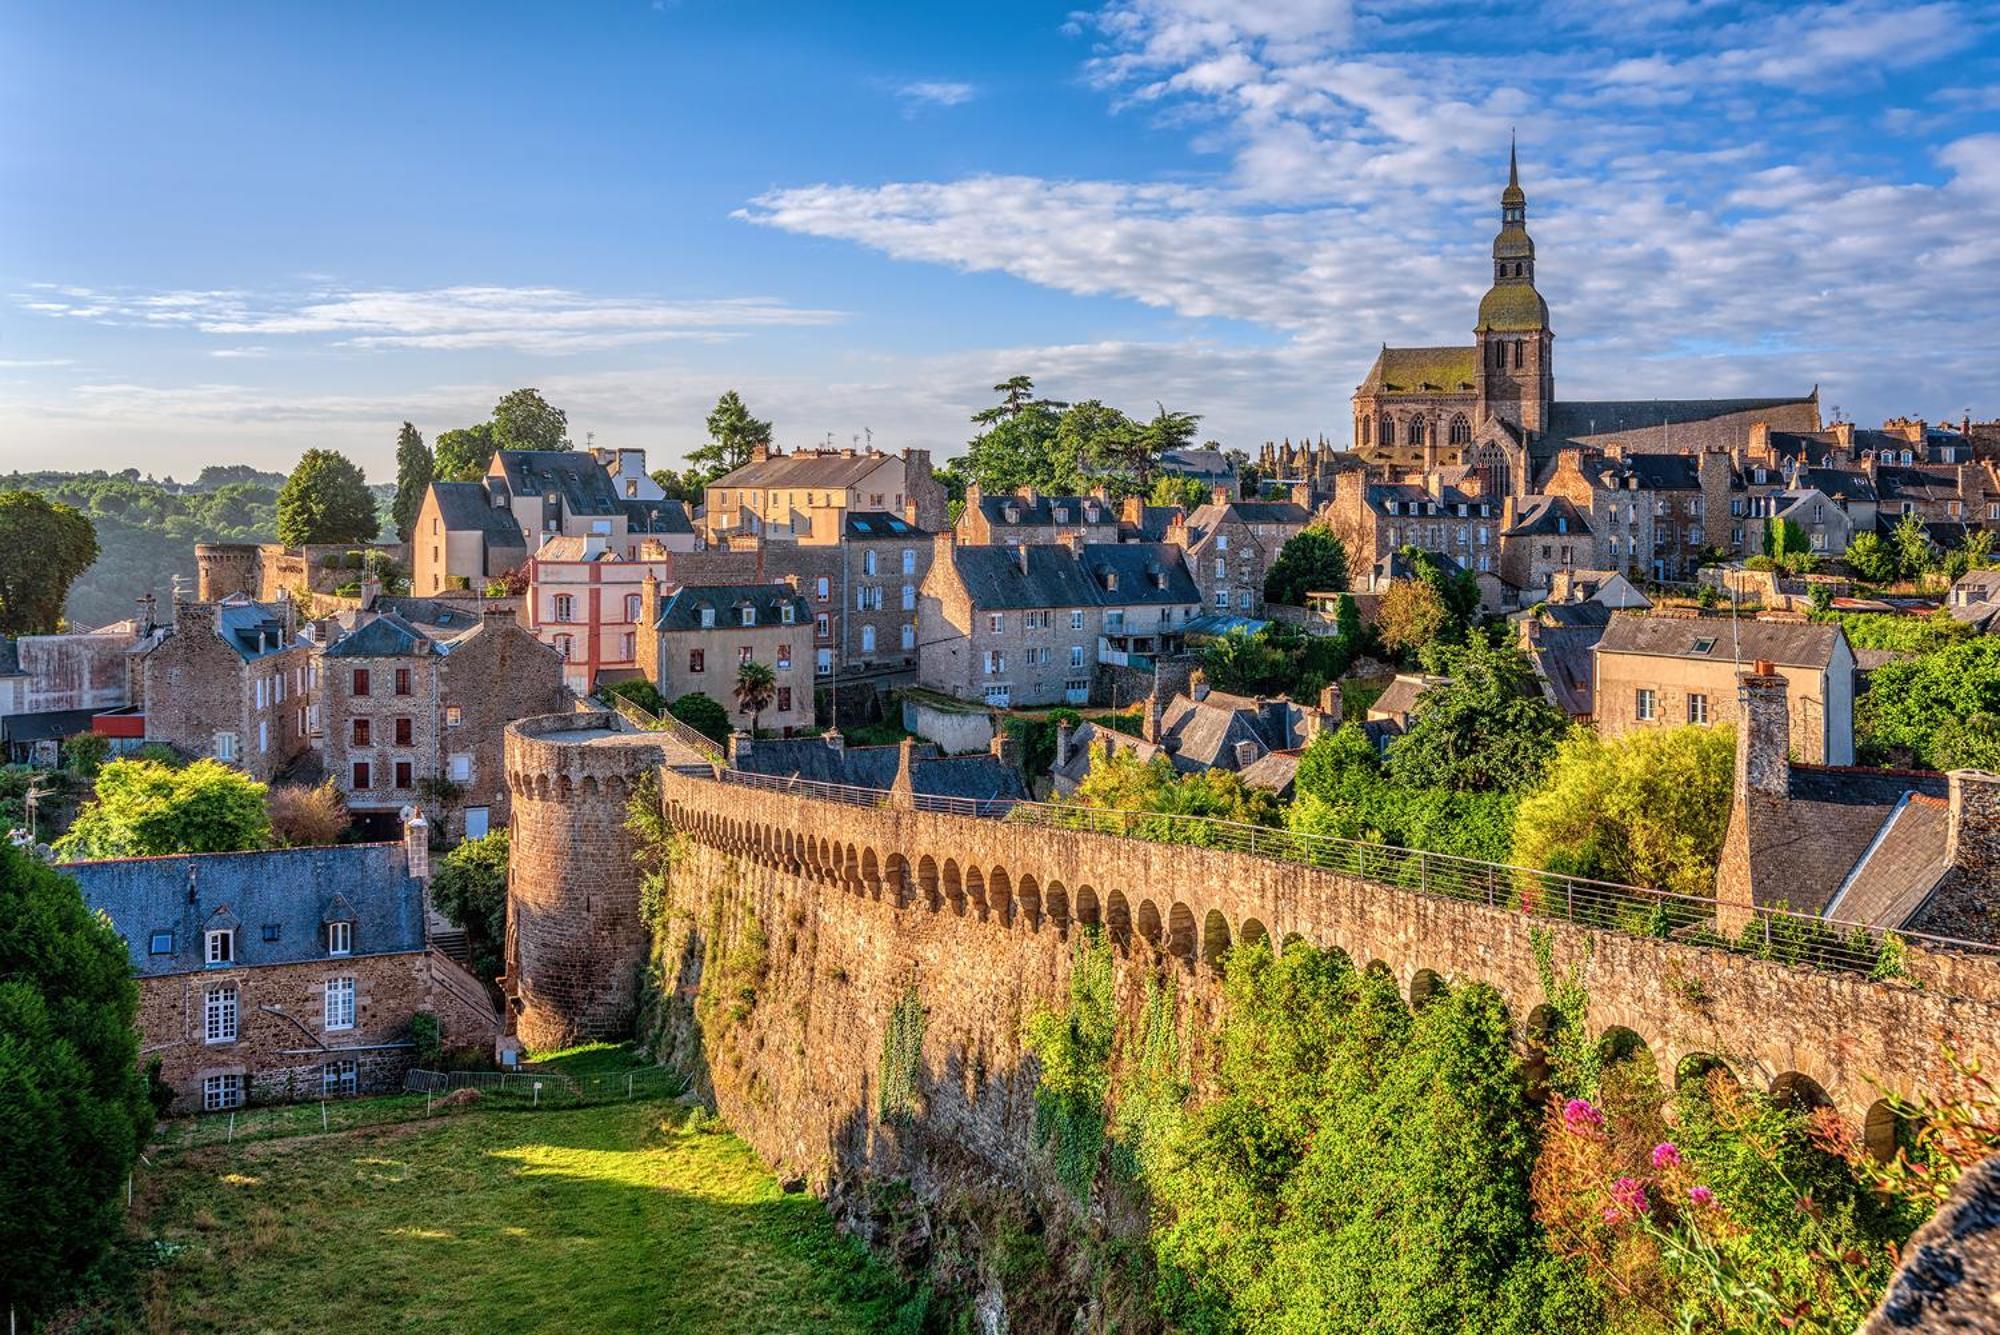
[(1086, 907), (1055, 903), (1181, 941), (1887, 1129), (1798, 1092), (1381, 969), (1425, 988), (851, 872), (1626, 1065), (1118, 919), (1029, 895), (541, 787), (953, 887), (1289, 940), (564, 787), (589, 788), (1149, 923), (975, 891), (896, 879), (809, 849), (1214, 937), (871, 874), (927, 882), (1538, 1033), (1000, 895), (1253, 932), (794, 857), (1703, 1069)]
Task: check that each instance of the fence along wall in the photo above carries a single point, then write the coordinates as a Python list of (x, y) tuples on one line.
[(1799, 1031)]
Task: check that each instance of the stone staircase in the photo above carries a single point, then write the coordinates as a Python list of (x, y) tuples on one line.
[(452, 945)]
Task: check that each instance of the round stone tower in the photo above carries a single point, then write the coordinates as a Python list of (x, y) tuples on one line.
[(576, 946), (223, 568)]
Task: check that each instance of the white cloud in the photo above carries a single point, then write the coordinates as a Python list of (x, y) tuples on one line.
[(934, 93), (530, 319)]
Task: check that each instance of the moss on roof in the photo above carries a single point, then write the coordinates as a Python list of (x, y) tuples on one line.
[(1424, 370), (1511, 307)]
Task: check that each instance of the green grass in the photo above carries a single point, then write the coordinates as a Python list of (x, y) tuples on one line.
[(605, 1218)]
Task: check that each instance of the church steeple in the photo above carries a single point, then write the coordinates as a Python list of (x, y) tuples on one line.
[(1517, 381)]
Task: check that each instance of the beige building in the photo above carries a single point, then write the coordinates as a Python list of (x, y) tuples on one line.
[(583, 601), (693, 640), (1658, 670), (802, 497)]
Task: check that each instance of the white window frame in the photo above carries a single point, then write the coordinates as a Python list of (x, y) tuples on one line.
[(340, 938), (218, 947), (461, 767), (823, 663), (338, 1077), (1076, 618), (909, 560), (1697, 707), (219, 1093), (996, 622), (909, 635), (221, 1011), (339, 1013), (868, 639), (1076, 655), (1645, 704), (225, 747)]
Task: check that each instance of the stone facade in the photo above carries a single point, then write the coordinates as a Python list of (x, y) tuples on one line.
[(206, 696), (1231, 546)]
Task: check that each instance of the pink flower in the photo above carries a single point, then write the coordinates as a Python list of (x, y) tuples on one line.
[(1630, 1195), (1666, 1155), (1701, 1196), (1581, 1116)]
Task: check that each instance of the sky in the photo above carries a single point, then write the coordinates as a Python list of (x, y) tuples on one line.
[(229, 233)]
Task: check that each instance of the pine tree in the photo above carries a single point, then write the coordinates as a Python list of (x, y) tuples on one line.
[(414, 467), (732, 433)]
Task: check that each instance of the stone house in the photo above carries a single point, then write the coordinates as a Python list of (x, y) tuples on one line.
[(1231, 546), (1030, 624), (1375, 519), (583, 602), (407, 710), (1029, 516), (230, 679), (1827, 525), (862, 591), (1887, 849), (1545, 537), (1975, 599), (693, 639), (1653, 513), (1664, 670), (287, 973), (803, 496), (1199, 730)]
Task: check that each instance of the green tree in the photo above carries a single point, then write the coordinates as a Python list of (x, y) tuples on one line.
[(146, 809), (756, 684), (1938, 711), (1122, 782), (1872, 560), (1311, 561), (326, 499), (704, 715), (44, 546), (1190, 493), (74, 1109), (1343, 791), (732, 434), (1017, 396), (524, 420), (1485, 728), (414, 468), (1649, 808), (1094, 443), (1019, 449), (462, 455), (470, 888), (1411, 615), (1915, 556), (1788, 547)]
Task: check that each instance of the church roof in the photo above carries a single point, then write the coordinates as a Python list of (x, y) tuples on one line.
[(1687, 423), (1423, 370), (1510, 307)]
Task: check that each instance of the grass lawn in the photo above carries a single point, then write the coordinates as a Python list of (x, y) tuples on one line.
[(616, 1217)]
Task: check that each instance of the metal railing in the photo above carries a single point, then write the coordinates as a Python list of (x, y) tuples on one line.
[(1769, 933), (539, 1087), (699, 743)]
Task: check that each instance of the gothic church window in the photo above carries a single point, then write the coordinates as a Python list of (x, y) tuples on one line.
[(1416, 432), (1461, 430)]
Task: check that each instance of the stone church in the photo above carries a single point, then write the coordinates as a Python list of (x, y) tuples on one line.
[(1491, 407)]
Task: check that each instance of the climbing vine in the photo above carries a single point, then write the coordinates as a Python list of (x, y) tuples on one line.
[(656, 848), (1153, 1092), (1073, 1046), (1575, 1062), (902, 1058)]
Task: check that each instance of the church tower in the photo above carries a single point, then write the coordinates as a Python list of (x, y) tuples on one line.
[(1516, 347)]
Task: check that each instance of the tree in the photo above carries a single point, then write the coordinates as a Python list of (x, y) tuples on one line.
[(1939, 711), (1912, 544), (1122, 782), (414, 468), (462, 455), (1649, 808), (704, 715), (1017, 395), (74, 1109), (1344, 793), (146, 809), (1173, 489), (756, 683), (1485, 728), (732, 434), (470, 888), (1019, 449), (1093, 443), (44, 546), (1411, 616), (301, 816), (1872, 560), (524, 420), (1312, 560), (326, 499)]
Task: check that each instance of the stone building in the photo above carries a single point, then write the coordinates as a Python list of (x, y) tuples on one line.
[(1655, 514), (231, 680), (993, 775), (802, 497), (1197, 729), (1661, 670), (1029, 516), (1444, 515), (269, 571), (694, 638), (409, 710), (1030, 624), (286, 973), (862, 592), (1540, 544), (1231, 546)]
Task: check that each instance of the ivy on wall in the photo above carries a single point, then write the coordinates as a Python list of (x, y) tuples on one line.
[(1073, 1046), (902, 1058)]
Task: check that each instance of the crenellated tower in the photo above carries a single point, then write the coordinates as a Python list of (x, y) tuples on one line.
[(1516, 346)]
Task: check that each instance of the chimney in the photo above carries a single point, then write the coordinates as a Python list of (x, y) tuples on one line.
[(1064, 735), (1508, 506), (416, 844), (1973, 841), (1330, 706), (1843, 435), (1763, 734), (371, 589), (1760, 439), (1149, 728), (1132, 509), (1219, 495), (903, 791), (740, 745), (1302, 495), (1006, 747), (1021, 555)]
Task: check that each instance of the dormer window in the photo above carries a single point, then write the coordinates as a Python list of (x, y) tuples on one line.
[(220, 948), (1562, 524), (1062, 514), (749, 614), (786, 613), (1111, 579), (707, 617), (1012, 514), (340, 938)]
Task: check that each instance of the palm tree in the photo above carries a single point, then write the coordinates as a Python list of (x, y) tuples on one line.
[(755, 685)]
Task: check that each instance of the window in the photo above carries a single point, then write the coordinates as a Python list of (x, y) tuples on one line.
[(405, 776), (1222, 598), (565, 646), (707, 617), (340, 938), (361, 732), (749, 614), (1076, 655), (996, 622), (1697, 707), (162, 943), (1221, 568), (1222, 542), (461, 767), (823, 662), (565, 607), (1076, 618), (784, 699), (995, 662), (697, 661), (271, 932), (260, 685), (822, 626), (909, 560), (867, 639), (221, 1092), (1642, 705), (361, 779), (1114, 620), (220, 949), (218, 1014), (631, 607), (340, 1003), (361, 681), (821, 588), (909, 597), (785, 655), (868, 563), (1705, 645), (787, 614), (225, 746), (909, 635), (997, 697), (402, 681), (405, 731), (263, 736), (1520, 345)]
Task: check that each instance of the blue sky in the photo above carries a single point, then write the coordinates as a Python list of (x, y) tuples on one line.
[(230, 232)]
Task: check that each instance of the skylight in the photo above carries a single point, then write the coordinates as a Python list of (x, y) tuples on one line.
[(1704, 645)]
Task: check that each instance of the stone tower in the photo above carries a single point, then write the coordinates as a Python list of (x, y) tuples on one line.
[(223, 568), (1516, 347)]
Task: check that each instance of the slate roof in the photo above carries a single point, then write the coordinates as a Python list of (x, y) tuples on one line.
[(1423, 371), (683, 610), (1563, 662), (244, 626), (1826, 826), (1154, 521), (1058, 577), (1393, 566), (573, 475), (1202, 734), (1399, 698), (803, 469), (1908, 857), (468, 505), (865, 524), (982, 777), (1042, 510), (1794, 644), (384, 636), (1660, 472), (52, 724), (1548, 516), (1688, 422), (1089, 736), (1201, 463), (451, 616), (1914, 483), (10, 657), (1843, 484), (289, 887), (666, 516), (1276, 772), (1407, 495)]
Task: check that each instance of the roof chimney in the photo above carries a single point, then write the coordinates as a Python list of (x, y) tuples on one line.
[(1006, 747), (1763, 734), (903, 791), (1974, 838), (416, 844), (1064, 735)]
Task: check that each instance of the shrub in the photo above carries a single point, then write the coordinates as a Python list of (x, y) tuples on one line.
[(704, 715), (641, 693), (143, 809), (470, 888), (302, 815)]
